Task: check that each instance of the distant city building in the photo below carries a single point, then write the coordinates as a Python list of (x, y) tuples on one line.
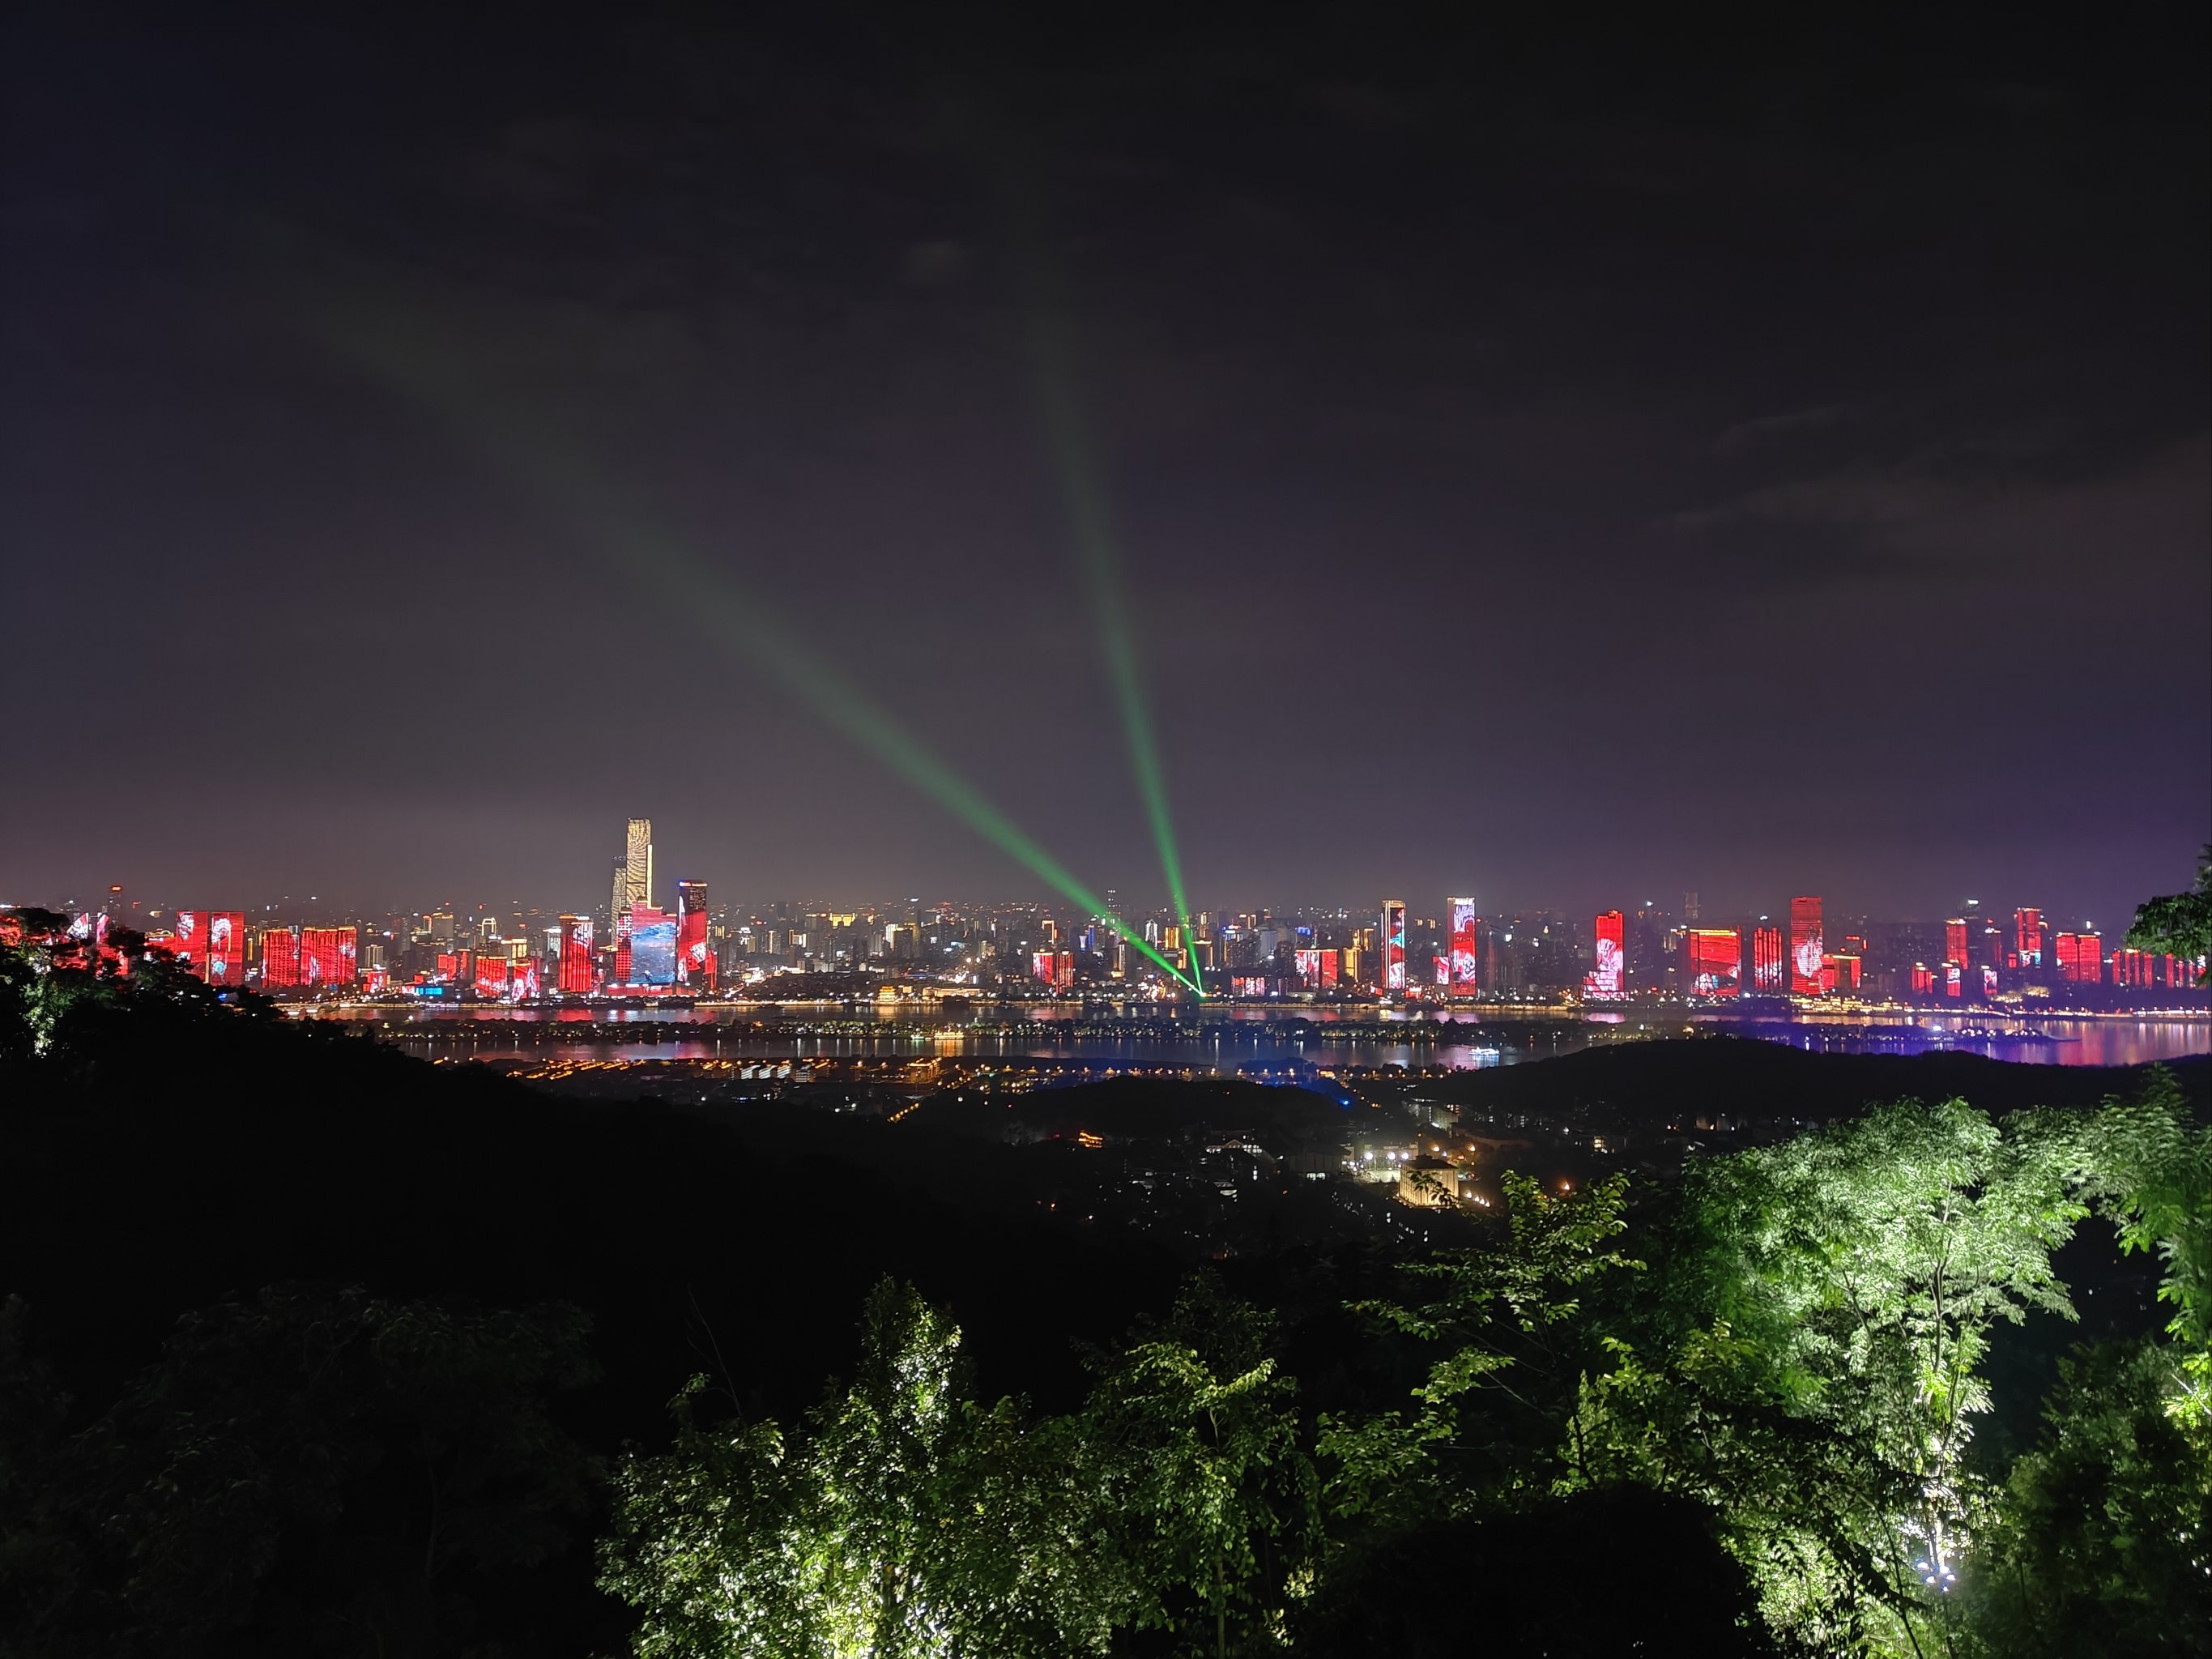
[(2080, 958), (637, 861), (651, 946), (574, 975), (1466, 957), (1806, 947), (1713, 962), (278, 949), (211, 944), (1954, 941), (694, 960), (1608, 958), (1392, 933), (327, 955), (2028, 936), (1767, 960)]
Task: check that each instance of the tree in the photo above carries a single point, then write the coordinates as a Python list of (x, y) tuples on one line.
[(1509, 1313), (2149, 1170), (902, 1521), (2103, 1543), (1202, 1491), (2180, 924), (1833, 1299)]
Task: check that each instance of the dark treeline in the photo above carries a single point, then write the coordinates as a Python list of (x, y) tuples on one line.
[(314, 1348)]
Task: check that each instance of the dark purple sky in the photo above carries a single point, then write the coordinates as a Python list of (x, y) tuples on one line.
[(1570, 467)]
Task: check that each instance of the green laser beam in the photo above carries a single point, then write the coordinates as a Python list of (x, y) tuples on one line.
[(557, 480), (1074, 464)]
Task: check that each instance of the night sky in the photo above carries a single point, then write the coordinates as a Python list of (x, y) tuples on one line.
[(1569, 467)]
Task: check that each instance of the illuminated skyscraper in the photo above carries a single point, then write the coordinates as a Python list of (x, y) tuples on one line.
[(2027, 932), (1954, 941), (328, 955), (2080, 958), (1713, 962), (651, 946), (575, 958), (1767, 975), (1465, 960), (280, 958), (1608, 961), (1392, 935), (1806, 947), (637, 861), (695, 962)]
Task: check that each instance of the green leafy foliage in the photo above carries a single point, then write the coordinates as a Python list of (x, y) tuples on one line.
[(1833, 1299), (905, 1519), (1204, 1496), (2180, 924), (2149, 1168), (1509, 1317), (2103, 1541)]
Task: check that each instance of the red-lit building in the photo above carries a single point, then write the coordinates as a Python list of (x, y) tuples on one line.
[(1924, 981), (326, 956), (280, 958), (2028, 937), (1713, 962), (1465, 957), (576, 967), (1806, 947), (1955, 940), (1317, 969), (1393, 938), (2080, 958), (1608, 960), (491, 976), (1766, 966), (695, 962), (211, 944)]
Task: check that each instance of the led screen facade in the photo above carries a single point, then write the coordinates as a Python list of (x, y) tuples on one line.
[(651, 946), (1393, 945), (692, 956), (1606, 959), (225, 947), (327, 955), (1713, 962), (212, 944), (1767, 960), (1806, 947), (2080, 958), (575, 970), (280, 958), (1317, 968), (187, 941), (2028, 937), (1955, 940), (1466, 957)]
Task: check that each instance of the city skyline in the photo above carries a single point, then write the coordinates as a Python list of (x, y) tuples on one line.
[(1397, 951)]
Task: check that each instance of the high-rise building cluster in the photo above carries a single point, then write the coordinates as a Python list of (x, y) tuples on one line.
[(638, 950)]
